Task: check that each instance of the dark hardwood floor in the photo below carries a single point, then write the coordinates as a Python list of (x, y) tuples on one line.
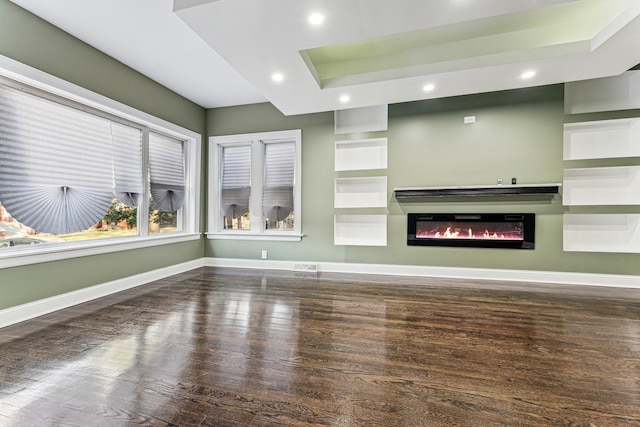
[(252, 348)]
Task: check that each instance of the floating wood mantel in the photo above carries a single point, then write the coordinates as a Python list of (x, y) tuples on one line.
[(477, 190)]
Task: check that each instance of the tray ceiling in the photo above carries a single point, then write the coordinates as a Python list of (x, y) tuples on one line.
[(231, 52)]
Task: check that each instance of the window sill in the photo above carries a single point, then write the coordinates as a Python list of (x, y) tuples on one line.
[(280, 237), (56, 252)]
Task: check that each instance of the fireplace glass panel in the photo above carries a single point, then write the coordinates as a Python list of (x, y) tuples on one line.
[(469, 230), (511, 231)]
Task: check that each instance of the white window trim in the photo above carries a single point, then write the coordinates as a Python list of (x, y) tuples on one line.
[(214, 223), (30, 76)]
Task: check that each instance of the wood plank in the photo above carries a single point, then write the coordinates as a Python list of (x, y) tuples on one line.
[(251, 348)]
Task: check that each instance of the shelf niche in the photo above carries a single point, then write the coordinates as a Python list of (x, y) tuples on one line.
[(363, 119), (361, 192), (618, 185), (602, 139), (605, 94), (360, 230), (618, 233), (361, 154)]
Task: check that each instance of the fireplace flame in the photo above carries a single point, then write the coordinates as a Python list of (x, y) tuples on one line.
[(493, 235), (448, 233)]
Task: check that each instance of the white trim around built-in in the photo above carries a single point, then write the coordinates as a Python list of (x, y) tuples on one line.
[(20, 313), (559, 277)]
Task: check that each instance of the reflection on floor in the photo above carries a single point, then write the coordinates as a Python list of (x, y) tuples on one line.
[(240, 347)]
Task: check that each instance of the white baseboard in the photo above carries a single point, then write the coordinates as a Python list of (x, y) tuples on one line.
[(44, 306), (568, 278), (41, 307)]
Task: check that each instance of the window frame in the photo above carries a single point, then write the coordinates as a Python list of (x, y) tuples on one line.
[(38, 82), (215, 229)]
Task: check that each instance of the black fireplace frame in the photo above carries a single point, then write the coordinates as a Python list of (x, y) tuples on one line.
[(528, 241)]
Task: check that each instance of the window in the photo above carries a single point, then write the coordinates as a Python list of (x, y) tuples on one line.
[(255, 186), (61, 168), (235, 187), (166, 174), (76, 172)]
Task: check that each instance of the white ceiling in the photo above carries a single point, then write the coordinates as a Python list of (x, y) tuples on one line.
[(147, 36), (224, 52)]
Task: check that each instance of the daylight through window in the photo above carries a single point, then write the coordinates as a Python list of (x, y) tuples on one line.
[(255, 185), (70, 173)]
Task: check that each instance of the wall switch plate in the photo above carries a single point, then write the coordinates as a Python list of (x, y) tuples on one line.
[(264, 254), (469, 119)]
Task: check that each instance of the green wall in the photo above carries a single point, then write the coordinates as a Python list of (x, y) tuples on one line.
[(517, 134), (32, 41), (317, 182)]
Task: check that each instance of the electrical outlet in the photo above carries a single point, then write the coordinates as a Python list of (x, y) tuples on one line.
[(264, 254)]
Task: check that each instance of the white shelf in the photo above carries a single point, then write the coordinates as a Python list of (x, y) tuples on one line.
[(602, 186), (618, 185), (602, 139), (361, 154), (606, 94), (601, 233), (364, 119), (361, 192), (360, 230)]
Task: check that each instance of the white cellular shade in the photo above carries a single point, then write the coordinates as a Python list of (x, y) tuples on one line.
[(235, 187), (166, 170), (278, 203), (53, 174), (279, 173), (127, 163)]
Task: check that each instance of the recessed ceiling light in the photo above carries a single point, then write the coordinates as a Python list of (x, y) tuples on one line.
[(277, 77), (428, 87), (344, 98), (528, 74), (316, 18)]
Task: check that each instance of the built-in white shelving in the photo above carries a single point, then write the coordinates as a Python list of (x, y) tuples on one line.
[(602, 139), (361, 154), (606, 94), (360, 230), (601, 232), (602, 186), (361, 192), (612, 186)]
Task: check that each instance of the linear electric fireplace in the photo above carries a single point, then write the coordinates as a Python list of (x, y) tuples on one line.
[(510, 231)]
